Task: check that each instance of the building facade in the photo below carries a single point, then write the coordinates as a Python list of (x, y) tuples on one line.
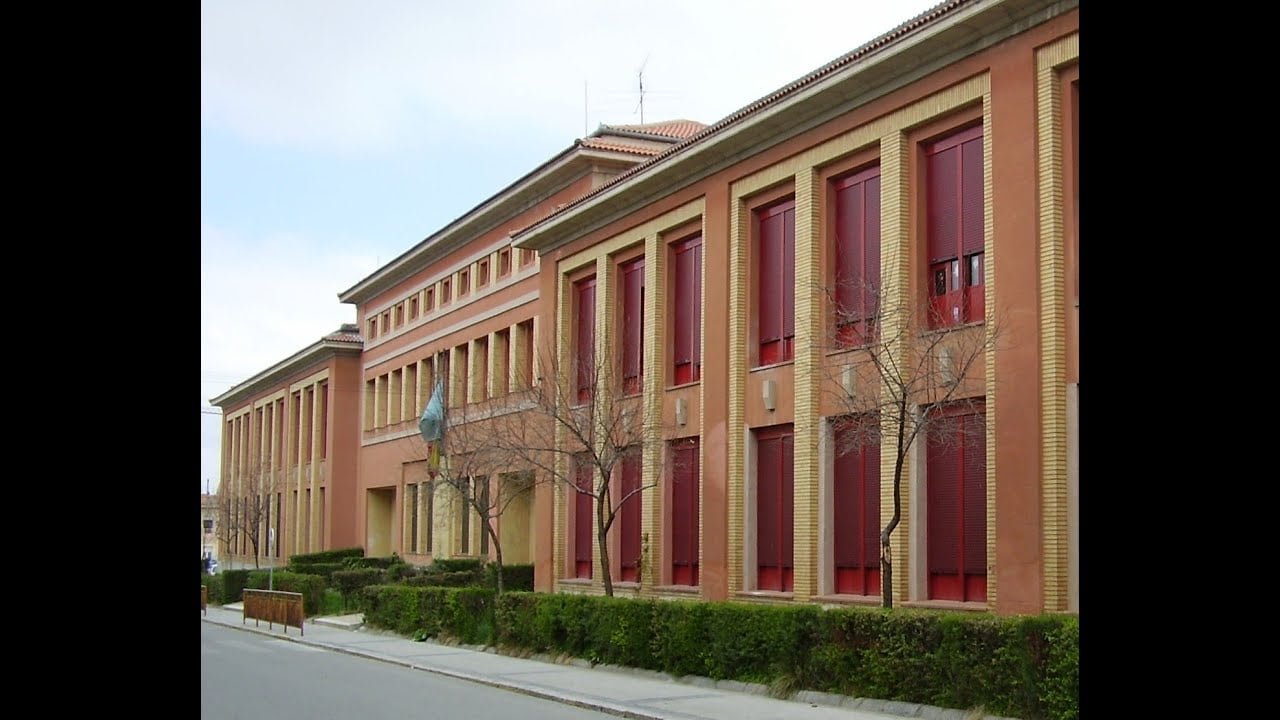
[(289, 451), (461, 308), (886, 243), (937, 167)]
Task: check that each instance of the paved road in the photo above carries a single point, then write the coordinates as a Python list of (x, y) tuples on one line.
[(248, 675)]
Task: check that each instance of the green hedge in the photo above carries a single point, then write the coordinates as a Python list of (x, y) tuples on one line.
[(1026, 667), (311, 586), (216, 586), (323, 569), (463, 615), (455, 565), (326, 556), (351, 582), (468, 578), (514, 577), (382, 563), (233, 582)]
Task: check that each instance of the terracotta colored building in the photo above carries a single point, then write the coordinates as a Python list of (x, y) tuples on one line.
[(937, 165), (912, 203), (289, 451), (461, 307)]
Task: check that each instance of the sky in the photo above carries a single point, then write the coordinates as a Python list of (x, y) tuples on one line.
[(335, 135)]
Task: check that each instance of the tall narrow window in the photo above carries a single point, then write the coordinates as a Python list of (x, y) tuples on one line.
[(464, 524), (446, 285), (482, 370), (413, 307), (582, 518), (482, 517), (857, 256), (632, 330), (482, 273), (686, 310), (957, 507), (776, 287), (629, 517), (774, 502), (411, 497), (524, 331), (856, 500), (954, 224), (464, 282), (585, 350), (431, 298), (504, 262), (428, 513), (464, 375), (684, 512)]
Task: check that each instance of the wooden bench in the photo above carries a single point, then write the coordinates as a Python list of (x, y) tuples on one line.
[(204, 599), (274, 606)]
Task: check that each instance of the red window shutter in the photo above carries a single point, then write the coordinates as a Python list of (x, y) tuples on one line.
[(774, 516), (788, 279), (695, 312), (768, 492), (857, 503), (776, 279), (770, 278), (630, 517), (582, 525), (684, 513), (943, 204), (971, 224), (975, 495), (857, 252), (944, 478), (632, 325), (586, 338), (687, 311), (786, 543)]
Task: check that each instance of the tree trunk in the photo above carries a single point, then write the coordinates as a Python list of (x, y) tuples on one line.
[(497, 555), (602, 535)]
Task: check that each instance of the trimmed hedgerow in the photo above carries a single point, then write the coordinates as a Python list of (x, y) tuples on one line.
[(310, 586)]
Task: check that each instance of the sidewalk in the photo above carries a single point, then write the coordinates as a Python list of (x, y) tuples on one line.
[(626, 692)]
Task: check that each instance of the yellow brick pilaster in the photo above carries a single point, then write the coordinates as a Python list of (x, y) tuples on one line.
[(808, 359), (651, 535), (895, 271), (1053, 330), (736, 440)]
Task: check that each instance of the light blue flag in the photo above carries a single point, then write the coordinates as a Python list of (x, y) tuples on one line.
[(431, 425)]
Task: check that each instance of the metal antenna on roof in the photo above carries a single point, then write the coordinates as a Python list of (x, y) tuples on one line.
[(640, 77)]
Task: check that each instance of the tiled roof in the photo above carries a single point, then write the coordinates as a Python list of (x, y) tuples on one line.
[(649, 139), (349, 332), (676, 129)]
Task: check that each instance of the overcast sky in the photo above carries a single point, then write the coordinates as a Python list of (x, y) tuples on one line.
[(335, 135)]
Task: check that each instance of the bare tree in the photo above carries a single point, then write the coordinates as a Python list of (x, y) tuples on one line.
[(576, 428), (908, 371), (225, 529), (478, 466), (246, 506)]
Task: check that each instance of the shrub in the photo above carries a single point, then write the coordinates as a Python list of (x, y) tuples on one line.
[(233, 584), (514, 577), (349, 583), (455, 565), (468, 578), (382, 563), (310, 586), (323, 569), (326, 556), (216, 585)]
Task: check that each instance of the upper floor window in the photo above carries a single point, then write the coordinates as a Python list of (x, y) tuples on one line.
[(631, 282), (857, 256), (446, 285), (431, 299), (954, 226), (686, 310), (504, 262), (776, 287), (585, 338), (464, 282), (413, 307), (482, 273)]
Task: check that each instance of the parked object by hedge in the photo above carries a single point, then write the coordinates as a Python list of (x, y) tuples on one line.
[(310, 586)]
